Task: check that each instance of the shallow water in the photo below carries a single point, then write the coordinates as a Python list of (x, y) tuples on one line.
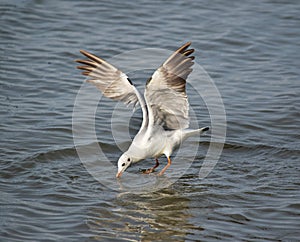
[(250, 50)]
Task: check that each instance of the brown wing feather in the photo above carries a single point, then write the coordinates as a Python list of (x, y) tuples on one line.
[(112, 82), (165, 92)]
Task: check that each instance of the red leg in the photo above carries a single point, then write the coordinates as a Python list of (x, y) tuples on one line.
[(150, 170), (166, 167)]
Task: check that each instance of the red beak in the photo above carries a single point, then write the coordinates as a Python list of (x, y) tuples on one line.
[(119, 174)]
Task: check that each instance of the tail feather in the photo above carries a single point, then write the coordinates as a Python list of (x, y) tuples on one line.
[(195, 132)]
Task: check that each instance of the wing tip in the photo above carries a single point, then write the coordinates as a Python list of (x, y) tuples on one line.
[(83, 51), (188, 43), (86, 53), (91, 56), (184, 49)]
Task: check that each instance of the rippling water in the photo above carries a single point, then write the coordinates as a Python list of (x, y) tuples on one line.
[(251, 50)]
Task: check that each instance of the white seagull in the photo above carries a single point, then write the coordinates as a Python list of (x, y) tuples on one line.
[(164, 105)]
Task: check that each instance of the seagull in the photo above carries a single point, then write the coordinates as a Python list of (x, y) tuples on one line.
[(165, 106)]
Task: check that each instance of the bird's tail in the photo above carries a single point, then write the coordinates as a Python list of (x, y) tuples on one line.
[(194, 132)]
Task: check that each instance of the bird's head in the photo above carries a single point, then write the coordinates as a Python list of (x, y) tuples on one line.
[(123, 163)]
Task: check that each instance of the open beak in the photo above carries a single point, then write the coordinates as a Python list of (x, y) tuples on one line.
[(119, 174)]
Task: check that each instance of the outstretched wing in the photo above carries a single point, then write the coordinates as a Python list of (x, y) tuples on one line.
[(165, 92), (112, 82)]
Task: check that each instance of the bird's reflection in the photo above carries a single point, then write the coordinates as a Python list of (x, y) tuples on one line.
[(155, 216)]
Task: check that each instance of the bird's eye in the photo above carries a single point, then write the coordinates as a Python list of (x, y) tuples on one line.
[(123, 164), (128, 159)]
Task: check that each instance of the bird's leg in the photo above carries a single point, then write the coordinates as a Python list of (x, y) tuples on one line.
[(150, 170), (166, 167)]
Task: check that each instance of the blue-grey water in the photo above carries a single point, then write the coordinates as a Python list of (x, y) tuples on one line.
[(251, 51)]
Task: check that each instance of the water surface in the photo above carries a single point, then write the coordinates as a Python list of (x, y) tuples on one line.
[(251, 51)]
